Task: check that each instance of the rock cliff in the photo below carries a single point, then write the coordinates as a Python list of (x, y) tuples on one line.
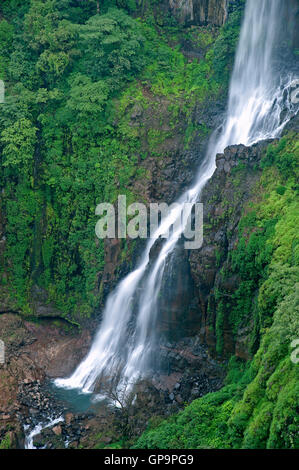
[(200, 11), (224, 198)]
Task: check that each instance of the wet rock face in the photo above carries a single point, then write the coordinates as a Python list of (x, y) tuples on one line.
[(224, 198), (200, 11)]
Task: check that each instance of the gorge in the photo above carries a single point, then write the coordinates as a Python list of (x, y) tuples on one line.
[(174, 317)]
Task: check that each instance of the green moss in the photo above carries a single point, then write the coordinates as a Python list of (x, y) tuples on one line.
[(201, 425)]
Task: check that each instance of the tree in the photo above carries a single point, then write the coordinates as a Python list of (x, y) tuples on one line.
[(19, 142), (113, 48)]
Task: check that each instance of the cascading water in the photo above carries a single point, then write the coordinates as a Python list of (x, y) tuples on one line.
[(37, 429), (126, 338)]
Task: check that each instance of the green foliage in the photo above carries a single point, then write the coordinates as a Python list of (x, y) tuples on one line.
[(223, 52), (67, 142), (6, 442), (220, 329), (266, 416), (11, 8), (6, 35)]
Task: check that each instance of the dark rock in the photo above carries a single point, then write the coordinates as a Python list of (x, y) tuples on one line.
[(57, 430), (222, 211), (200, 11)]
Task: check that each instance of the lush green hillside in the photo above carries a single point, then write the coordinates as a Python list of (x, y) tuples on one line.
[(67, 142)]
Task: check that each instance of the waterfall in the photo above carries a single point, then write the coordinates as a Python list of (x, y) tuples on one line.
[(125, 340)]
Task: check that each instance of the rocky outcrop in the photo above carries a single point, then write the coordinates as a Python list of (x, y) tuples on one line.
[(225, 198), (169, 168), (200, 11), (33, 353)]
